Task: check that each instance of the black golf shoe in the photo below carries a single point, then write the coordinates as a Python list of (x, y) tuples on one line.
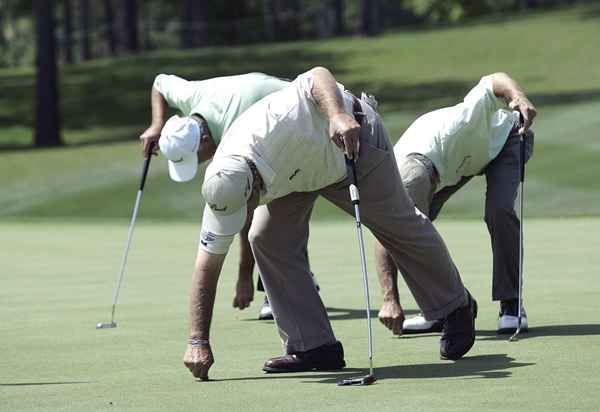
[(458, 332), (325, 357)]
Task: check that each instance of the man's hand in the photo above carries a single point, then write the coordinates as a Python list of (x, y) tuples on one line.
[(527, 110), (244, 292), (392, 316), (198, 359), (344, 130), (152, 134)]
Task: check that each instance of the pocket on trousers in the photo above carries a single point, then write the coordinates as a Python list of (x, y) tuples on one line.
[(369, 159)]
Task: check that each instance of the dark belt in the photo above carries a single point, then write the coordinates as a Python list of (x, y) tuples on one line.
[(357, 110)]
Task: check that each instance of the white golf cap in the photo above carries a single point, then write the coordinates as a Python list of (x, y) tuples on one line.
[(226, 190), (179, 142)]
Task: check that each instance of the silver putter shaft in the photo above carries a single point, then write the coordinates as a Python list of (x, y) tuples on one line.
[(514, 338), (355, 198), (138, 199)]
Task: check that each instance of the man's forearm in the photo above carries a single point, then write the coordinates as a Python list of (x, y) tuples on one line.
[(202, 296), (387, 273), (159, 108), (506, 87), (246, 265), (326, 93)]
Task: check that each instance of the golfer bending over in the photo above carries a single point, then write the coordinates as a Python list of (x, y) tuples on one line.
[(284, 152), (438, 154), (209, 107)]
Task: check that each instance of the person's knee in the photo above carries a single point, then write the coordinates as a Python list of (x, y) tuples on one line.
[(499, 213), (257, 235)]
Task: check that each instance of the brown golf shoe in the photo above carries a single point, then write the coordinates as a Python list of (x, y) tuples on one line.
[(325, 357)]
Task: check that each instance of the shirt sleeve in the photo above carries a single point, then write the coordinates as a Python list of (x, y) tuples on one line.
[(304, 84), (482, 97), (177, 92), (213, 243)]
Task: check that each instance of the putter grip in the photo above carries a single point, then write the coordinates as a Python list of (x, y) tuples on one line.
[(522, 143), (350, 165), (146, 166)]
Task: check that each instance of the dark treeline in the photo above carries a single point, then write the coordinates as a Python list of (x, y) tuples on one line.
[(87, 29)]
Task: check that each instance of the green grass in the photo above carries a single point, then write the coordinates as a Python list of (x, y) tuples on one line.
[(57, 282)]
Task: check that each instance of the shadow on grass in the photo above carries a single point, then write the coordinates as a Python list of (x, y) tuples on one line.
[(543, 331), (44, 383), (349, 314), (473, 367)]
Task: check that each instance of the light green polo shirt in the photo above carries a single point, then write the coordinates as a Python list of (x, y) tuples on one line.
[(219, 100)]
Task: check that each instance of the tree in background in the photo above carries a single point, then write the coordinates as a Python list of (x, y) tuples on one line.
[(84, 30), (339, 15), (193, 31), (47, 119), (130, 16), (68, 31), (109, 27), (369, 13)]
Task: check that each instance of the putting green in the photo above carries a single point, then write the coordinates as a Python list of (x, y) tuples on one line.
[(57, 281)]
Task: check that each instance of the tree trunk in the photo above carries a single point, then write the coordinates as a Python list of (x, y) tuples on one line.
[(294, 30), (340, 26), (84, 23), (68, 30), (47, 119), (131, 26), (109, 22), (187, 24), (368, 13)]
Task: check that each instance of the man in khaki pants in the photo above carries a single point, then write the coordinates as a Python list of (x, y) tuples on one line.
[(283, 153)]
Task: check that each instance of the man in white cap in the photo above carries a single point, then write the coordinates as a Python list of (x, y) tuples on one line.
[(208, 108), (438, 154), (284, 152)]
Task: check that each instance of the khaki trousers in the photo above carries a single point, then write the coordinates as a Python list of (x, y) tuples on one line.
[(280, 230)]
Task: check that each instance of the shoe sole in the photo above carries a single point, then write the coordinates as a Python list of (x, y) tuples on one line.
[(433, 329), (316, 368)]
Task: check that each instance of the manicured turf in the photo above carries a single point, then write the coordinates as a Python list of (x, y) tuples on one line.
[(57, 281)]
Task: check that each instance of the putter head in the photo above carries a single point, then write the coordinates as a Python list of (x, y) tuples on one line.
[(107, 325), (514, 337), (359, 380)]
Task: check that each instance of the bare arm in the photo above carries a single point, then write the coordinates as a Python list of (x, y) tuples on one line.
[(506, 87), (198, 357), (343, 128), (159, 113), (390, 314), (244, 290)]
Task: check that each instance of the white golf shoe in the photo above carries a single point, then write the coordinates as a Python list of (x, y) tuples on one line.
[(419, 324), (508, 319), (265, 312)]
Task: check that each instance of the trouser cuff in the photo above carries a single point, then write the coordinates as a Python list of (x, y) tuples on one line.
[(435, 314)]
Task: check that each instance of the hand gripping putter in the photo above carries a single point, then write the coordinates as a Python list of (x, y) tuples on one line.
[(354, 196), (138, 199), (514, 338)]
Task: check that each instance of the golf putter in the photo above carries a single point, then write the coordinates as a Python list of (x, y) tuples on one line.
[(354, 196), (514, 337), (138, 199)]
